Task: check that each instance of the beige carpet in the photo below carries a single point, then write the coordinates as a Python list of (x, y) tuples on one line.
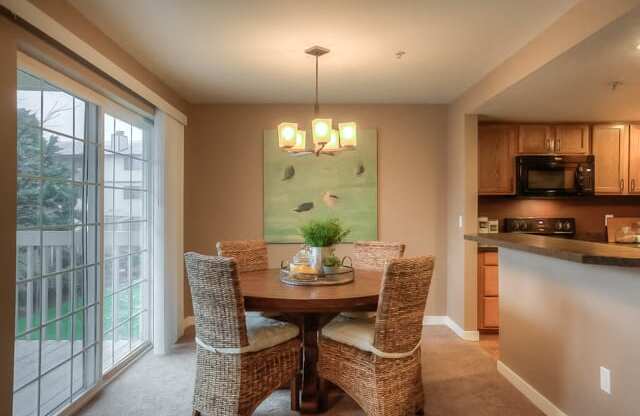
[(460, 378)]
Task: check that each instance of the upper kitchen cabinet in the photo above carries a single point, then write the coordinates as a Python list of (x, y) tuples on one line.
[(611, 152), (634, 159), (571, 139), (496, 163), (535, 139)]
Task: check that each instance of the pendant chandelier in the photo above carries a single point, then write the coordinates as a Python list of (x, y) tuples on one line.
[(324, 138)]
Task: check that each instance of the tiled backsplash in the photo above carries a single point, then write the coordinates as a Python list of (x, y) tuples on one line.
[(588, 212)]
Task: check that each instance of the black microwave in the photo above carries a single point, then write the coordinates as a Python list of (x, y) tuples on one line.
[(555, 175)]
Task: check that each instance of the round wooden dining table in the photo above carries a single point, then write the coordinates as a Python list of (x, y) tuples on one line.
[(310, 307)]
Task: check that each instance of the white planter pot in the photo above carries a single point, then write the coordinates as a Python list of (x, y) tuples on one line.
[(318, 254)]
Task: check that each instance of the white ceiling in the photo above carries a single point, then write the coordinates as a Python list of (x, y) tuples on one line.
[(576, 85), (252, 51)]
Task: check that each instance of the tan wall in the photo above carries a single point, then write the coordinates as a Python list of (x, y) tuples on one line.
[(8, 117), (223, 177), (560, 321)]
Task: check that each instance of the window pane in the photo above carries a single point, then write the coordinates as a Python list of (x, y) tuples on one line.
[(122, 239), (28, 313), (29, 148), (122, 341), (122, 178), (139, 174), (58, 245), (78, 290), (138, 267), (123, 273), (27, 350), (57, 110), (58, 300), (138, 236), (29, 99), (55, 389), (109, 126), (137, 143), (79, 128), (122, 307), (57, 158), (78, 331), (56, 344), (78, 160), (122, 137), (109, 213), (57, 203), (122, 205), (23, 402), (28, 261), (107, 319), (78, 236), (78, 374), (28, 203), (107, 349)]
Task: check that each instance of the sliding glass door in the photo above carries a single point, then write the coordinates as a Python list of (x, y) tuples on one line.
[(126, 238), (83, 252)]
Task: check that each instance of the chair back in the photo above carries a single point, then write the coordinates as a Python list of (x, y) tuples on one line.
[(250, 255), (218, 305), (372, 255), (403, 297)]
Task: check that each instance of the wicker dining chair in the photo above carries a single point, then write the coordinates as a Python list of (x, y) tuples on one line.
[(378, 363), (373, 255), (250, 255), (240, 361)]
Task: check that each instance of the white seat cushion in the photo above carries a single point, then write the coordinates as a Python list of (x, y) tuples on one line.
[(355, 332), (262, 333), (358, 333)]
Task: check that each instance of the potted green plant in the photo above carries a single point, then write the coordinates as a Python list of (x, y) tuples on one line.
[(331, 264), (321, 236)]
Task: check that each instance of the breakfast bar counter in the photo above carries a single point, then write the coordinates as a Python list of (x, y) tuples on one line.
[(587, 252)]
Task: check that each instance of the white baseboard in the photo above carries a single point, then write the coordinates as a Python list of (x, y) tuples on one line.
[(457, 329), (187, 322), (530, 393)]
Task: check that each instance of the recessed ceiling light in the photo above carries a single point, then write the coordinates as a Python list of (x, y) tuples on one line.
[(638, 46)]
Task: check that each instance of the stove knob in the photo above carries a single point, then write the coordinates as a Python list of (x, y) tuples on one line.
[(558, 226), (524, 226), (567, 226)]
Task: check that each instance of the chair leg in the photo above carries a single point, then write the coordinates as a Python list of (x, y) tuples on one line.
[(323, 395), (295, 393)]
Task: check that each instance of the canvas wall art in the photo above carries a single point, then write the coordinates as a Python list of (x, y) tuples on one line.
[(300, 188)]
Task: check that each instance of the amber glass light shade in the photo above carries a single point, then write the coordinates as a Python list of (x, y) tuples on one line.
[(348, 134), (287, 135), (321, 130), (301, 142)]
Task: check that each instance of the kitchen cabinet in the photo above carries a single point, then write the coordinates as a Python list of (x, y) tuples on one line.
[(535, 139), (610, 144), (488, 292), (496, 161), (565, 139), (634, 159), (571, 139)]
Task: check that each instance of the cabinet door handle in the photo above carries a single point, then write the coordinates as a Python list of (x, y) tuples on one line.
[(622, 185), (633, 184), (557, 145)]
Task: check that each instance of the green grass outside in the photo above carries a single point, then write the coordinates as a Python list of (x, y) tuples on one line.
[(65, 324)]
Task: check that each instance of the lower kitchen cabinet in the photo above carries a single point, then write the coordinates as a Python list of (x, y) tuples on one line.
[(488, 292)]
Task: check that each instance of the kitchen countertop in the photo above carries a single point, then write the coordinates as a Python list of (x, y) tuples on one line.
[(579, 251)]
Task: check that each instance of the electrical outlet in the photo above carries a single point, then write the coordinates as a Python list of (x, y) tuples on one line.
[(606, 219), (605, 380), (459, 221)]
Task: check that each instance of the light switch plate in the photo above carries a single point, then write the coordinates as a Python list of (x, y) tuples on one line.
[(605, 380), (459, 221)]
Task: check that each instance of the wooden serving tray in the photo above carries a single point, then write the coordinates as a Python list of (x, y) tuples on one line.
[(342, 276)]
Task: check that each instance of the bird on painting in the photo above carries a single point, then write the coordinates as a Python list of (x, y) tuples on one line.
[(329, 199), (305, 206), (289, 172), (360, 169)]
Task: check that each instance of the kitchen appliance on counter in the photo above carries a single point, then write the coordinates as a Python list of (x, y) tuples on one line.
[(545, 226), (552, 176)]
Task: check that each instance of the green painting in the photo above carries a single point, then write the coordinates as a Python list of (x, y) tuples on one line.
[(303, 187)]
